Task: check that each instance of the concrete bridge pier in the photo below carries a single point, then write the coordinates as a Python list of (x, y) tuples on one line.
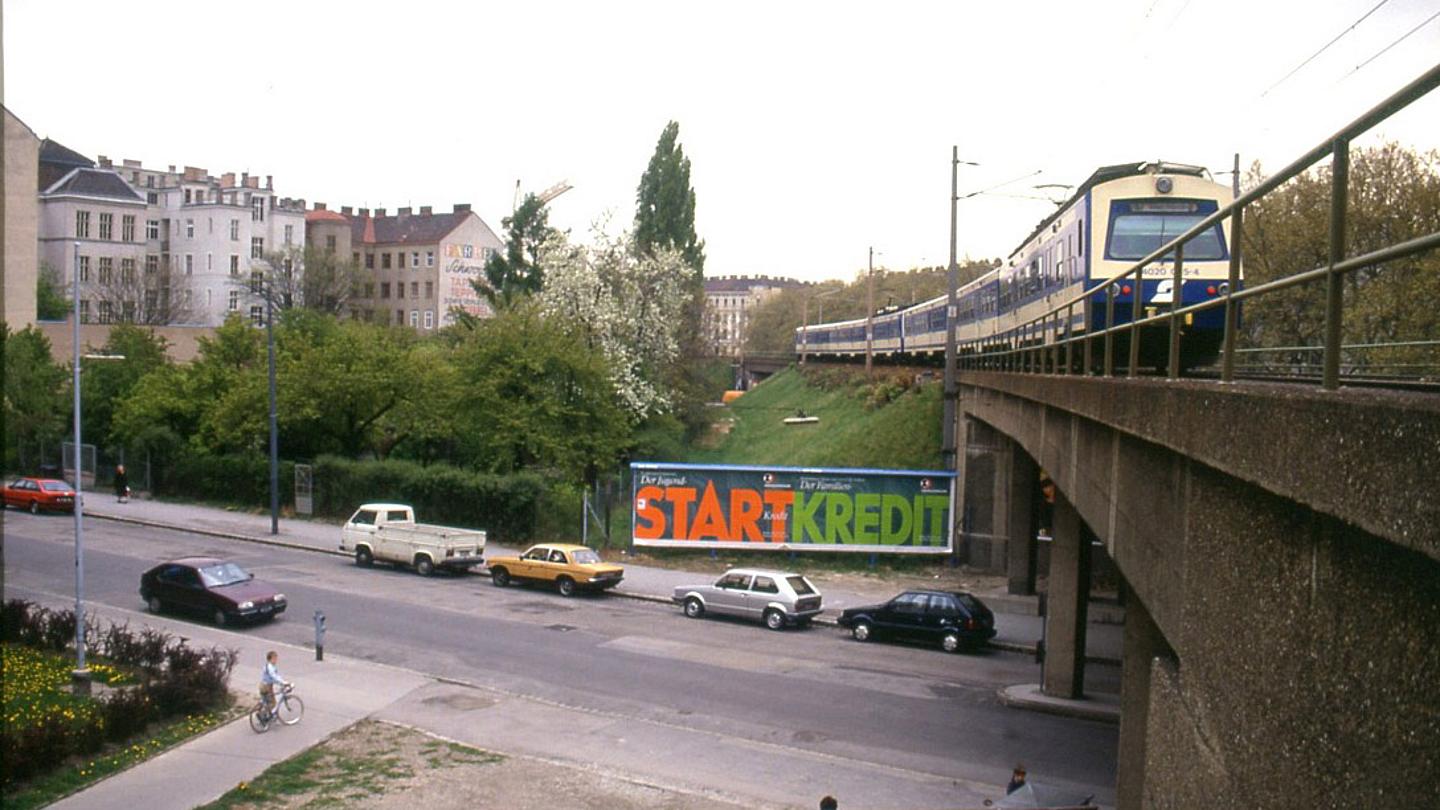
[(1144, 649), (1067, 600), (1020, 548)]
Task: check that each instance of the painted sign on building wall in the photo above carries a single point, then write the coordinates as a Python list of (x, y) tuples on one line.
[(463, 264), (785, 508)]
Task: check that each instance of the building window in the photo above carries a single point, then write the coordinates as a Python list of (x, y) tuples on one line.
[(289, 234), (257, 209), (234, 230), (209, 262), (84, 311), (369, 261), (330, 244), (369, 289), (414, 258), (384, 289), (414, 289), (106, 311), (189, 229), (152, 299), (85, 269), (127, 228), (415, 317), (234, 300), (257, 314), (127, 311), (257, 247), (165, 262), (152, 229), (399, 317), (151, 197), (107, 269), (429, 289), (152, 264), (399, 289), (189, 264), (82, 224), (429, 319), (127, 270), (355, 257), (429, 258), (384, 261), (257, 281), (187, 196), (234, 264)]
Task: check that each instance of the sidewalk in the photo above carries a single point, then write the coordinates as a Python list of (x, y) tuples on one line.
[(337, 693), (1015, 631)]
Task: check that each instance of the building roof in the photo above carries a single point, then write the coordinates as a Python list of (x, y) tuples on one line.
[(726, 284), (407, 229), (325, 216), (95, 183), (56, 152)]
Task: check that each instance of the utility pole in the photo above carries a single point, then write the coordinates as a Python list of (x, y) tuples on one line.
[(1235, 177), (80, 677), (948, 451), (870, 311), (274, 429)]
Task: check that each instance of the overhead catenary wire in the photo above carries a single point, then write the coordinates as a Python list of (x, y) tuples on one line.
[(1393, 44), (1325, 48)]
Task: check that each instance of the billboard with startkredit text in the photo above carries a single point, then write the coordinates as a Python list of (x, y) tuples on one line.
[(791, 508)]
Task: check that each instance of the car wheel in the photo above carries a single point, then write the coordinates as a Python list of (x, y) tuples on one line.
[(155, 604), (363, 557), (566, 586), (774, 619), (221, 619), (34, 507), (694, 608), (861, 631), (950, 642), (499, 577), (424, 567)]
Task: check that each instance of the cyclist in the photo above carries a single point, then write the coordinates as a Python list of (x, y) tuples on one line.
[(270, 677)]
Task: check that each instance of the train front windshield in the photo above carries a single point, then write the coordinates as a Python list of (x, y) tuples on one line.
[(1140, 227)]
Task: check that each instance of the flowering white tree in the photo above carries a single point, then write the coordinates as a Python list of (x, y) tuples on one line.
[(628, 306)]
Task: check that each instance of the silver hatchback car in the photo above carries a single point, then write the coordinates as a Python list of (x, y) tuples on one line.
[(777, 598)]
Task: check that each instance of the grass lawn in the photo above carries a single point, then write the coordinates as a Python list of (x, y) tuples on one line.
[(37, 687)]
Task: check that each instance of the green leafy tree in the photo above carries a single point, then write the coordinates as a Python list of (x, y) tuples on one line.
[(1394, 196), (665, 203), (516, 274), (50, 301), (35, 389), (107, 383), (537, 395)]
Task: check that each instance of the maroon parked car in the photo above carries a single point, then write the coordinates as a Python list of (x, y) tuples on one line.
[(222, 590), (40, 495)]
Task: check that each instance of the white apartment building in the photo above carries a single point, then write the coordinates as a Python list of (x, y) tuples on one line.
[(166, 246), (729, 301)]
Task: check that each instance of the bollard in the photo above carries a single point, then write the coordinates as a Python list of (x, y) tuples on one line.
[(319, 636)]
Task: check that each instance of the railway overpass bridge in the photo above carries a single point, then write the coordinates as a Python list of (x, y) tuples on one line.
[(1278, 544), (1280, 553)]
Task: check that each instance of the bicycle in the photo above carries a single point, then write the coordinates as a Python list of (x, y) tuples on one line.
[(288, 710)]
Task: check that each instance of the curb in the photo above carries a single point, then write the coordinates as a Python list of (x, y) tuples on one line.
[(1024, 696), (1006, 646)]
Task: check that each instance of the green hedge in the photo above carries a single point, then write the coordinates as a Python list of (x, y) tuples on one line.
[(506, 506), (242, 479)]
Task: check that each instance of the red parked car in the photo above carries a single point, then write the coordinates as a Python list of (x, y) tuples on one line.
[(38, 494), (222, 590)]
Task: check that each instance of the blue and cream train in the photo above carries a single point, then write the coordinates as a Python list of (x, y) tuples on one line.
[(1117, 217)]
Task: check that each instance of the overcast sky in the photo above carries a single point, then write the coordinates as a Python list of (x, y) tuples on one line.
[(816, 130)]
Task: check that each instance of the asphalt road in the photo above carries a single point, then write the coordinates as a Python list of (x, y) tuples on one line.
[(911, 709)]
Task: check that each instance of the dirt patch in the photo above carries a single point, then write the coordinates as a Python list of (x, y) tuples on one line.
[(382, 766)]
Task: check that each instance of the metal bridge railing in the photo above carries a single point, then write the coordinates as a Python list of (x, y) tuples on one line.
[(1047, 343)]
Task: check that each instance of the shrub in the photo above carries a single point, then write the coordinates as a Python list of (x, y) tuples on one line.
[(125, 713), (234, 478)]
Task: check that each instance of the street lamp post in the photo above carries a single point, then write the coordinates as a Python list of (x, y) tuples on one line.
[(948, 450), (80, 677)]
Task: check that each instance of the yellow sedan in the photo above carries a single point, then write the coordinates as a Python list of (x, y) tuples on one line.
[(569, 568)]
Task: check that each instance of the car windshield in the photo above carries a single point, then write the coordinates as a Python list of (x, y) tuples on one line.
[(222, 574), (55, 486), (801, 585), (585, 557)]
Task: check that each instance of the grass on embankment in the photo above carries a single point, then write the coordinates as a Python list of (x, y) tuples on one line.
[(886, 421)]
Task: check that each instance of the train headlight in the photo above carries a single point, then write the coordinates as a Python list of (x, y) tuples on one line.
[(1224, 287), (1164, 185)]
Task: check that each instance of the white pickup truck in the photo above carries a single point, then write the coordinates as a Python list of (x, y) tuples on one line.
[(388, 532)]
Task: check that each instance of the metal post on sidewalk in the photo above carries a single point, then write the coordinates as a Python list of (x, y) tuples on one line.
[(319, 635)]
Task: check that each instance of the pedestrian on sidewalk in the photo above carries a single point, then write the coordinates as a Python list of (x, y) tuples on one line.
[(122, 484), (270, 677), (1017, 780)]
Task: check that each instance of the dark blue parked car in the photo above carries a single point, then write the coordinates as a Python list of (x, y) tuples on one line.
[(952, 619)]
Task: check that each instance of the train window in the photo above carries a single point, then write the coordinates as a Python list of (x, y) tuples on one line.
[(1139, 227)]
